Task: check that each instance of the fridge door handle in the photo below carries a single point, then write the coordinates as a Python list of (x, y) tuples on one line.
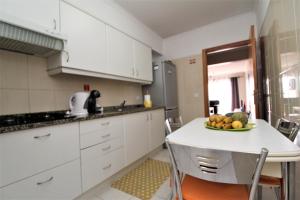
[(172, 108)]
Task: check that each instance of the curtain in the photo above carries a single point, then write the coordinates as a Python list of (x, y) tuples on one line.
[(235, 97)]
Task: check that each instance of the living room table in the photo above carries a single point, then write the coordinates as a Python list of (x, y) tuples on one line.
[(262, 135)]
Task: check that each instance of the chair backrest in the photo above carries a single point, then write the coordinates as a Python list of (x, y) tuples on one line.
[(168, 127), (216, 165), (288, 128), (173, 124)]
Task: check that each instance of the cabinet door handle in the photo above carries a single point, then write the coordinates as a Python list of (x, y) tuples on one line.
[(107, 167), (54, 22), (105, 124), (106, 136), (106, 148), (42, 136), (68, 56), (150, 116), (46, 181)]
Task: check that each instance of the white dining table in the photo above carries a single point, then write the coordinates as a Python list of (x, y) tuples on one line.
[(263, 135)]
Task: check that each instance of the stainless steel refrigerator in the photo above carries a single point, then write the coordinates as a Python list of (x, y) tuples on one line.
[(163, 90)]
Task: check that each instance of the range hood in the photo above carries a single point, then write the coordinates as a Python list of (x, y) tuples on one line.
[(15, 38)]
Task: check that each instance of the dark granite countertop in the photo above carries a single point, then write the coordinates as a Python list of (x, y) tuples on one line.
[(108, 112)]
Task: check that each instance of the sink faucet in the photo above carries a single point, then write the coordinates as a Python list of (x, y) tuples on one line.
[(122, 105)]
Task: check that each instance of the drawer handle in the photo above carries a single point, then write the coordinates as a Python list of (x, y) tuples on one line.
[(106, 136), (105, 124), (208, 172), (106, 148), (42, 136), (208, 169), (46, 181), (206, 164), (107, 167), (54, 22)]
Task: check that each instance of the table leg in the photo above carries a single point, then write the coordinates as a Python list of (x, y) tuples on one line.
[(291, 180), (285, 176), (259, 192)]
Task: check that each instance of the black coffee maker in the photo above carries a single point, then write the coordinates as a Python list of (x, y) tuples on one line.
[(91, 102)]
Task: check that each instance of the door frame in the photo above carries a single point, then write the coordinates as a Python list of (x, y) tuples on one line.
[(251, 43)]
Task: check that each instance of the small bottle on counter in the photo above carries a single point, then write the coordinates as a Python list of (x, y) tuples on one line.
[(147, 101)]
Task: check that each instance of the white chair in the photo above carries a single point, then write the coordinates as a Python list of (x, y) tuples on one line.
[(213, 174), (174, 124), (271, 175)]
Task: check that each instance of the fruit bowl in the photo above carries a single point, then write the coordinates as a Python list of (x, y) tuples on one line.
[(235, 122), (248, 127)]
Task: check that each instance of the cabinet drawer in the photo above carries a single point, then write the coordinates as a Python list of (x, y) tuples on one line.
[(59, 183), (25, 153), (112, 163), (96, 167), (100, 130)]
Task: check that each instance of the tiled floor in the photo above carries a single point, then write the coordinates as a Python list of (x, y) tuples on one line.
[(163, 192)]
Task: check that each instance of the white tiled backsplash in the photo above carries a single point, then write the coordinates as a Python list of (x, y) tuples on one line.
[(25, 86)]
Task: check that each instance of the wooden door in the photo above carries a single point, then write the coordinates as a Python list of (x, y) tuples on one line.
[(253, 60), (251, 43)]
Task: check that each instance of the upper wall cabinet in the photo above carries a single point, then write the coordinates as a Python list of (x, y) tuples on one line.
[(94, 48), (128, 57), (120, 53), (85, 48), (142, 61), (41, 15)]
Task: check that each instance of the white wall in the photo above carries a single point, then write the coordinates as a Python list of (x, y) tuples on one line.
[(261, 8), (229, 30), (111, 13)]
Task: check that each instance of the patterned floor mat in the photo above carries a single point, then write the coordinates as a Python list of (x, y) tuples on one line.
[(144, 180)]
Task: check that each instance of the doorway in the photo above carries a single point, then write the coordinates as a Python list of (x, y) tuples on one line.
[(238, 89)]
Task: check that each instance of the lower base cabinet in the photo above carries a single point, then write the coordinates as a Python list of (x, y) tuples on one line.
[(62, 182), (144, 132), (109, 145), (97, 166), (136, 128)]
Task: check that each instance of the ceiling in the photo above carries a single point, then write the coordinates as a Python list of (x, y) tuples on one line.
[(170, 17)]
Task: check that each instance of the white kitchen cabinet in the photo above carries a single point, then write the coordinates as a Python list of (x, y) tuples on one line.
[(62, 182), (100, 130), (142, 62), (143, 133), (157, 128), (128, 57), (136, 136), (119, 53), (85, 48), (102, 154), (41, 14), (93, 48), (97, 164), (28, 152)]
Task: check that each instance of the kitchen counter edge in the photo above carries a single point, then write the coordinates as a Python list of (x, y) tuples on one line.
[(15, 128)]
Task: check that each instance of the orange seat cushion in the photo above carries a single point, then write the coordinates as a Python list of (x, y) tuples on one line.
[(268, 180), (198, 189)]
